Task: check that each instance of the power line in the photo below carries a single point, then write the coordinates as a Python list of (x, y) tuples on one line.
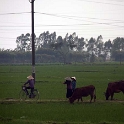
[(117, 0), (62, 16), (52, 25), (14, 13), (101, 2), (70, 17)]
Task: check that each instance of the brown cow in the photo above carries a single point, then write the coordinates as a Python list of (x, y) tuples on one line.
[(114, 87), (83, 92)]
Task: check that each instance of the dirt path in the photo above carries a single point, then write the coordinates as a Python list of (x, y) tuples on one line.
[(11, 100)]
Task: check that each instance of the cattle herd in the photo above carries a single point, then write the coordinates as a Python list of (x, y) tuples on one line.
[(113, 87)]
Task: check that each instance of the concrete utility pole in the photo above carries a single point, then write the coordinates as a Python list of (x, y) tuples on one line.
[(33, 43)]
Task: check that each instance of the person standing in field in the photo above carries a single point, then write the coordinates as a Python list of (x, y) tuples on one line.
[(73, 83), (30, 83), (68, 82)]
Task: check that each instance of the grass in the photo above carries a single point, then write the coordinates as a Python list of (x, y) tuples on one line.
[(64, 112), (53, 107)]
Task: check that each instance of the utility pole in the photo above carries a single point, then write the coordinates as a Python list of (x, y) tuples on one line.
[(33, 43), (120, 57)]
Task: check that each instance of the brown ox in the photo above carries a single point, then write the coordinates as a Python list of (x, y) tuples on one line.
[(83, 92), (114, 87)]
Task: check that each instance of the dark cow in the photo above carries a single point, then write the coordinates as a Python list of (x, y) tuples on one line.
[(114, 87), (83, 92)]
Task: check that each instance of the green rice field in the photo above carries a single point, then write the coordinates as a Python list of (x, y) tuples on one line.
[(52, 106)]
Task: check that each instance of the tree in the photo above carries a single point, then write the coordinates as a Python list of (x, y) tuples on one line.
[(23, 42), (45, 40), (91, 47), (81, 44), (72, 41), (99, 46), (117, 48), (107, 49), (61, 46)]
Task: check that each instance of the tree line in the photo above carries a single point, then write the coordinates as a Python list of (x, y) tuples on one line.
[(52, 49)]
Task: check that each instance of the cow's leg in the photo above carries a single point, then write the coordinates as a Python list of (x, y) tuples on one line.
[(107, 97), (112, 94), (94, 97), (91, 98), (81, 99)]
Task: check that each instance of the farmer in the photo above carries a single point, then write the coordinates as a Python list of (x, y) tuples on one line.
[(68, 82), (30, 84), (73, 83)]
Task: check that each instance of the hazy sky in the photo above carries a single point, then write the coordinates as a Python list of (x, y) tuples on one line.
[(88, 18)]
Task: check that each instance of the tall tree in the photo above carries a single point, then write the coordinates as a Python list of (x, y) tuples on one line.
[(99, 46), (91, 47), (81, 44), (117, 48), (72, 41), (61, 46), (107, 49), (45, 39), (23, 42)]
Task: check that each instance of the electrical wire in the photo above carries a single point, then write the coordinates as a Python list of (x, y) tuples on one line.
[(14, 13), (101, 2), (91, 21)]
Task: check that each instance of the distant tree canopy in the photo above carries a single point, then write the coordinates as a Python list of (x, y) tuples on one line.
[(50, 49)]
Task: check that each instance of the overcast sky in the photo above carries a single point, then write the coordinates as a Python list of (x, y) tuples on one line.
[(88, 18)]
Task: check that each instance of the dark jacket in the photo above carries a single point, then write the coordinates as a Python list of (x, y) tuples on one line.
[(69, 84), (31, 83)]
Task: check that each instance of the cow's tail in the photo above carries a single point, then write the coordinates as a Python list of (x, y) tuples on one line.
[(94, 95)]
